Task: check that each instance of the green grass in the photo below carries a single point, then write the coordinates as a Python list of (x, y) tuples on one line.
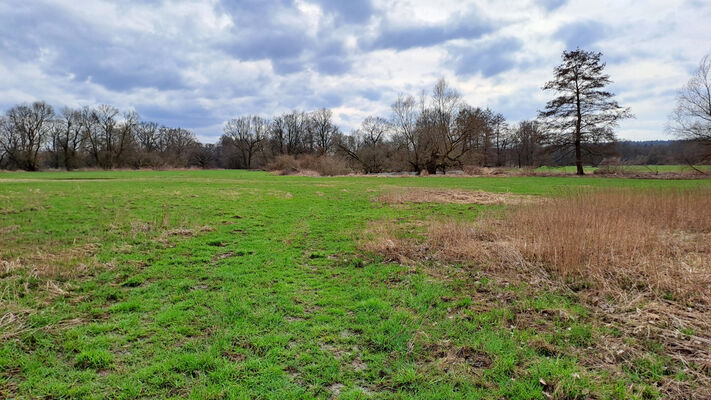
[(233, 284)]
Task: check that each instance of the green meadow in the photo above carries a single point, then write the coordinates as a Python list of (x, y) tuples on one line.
[(244, 285)]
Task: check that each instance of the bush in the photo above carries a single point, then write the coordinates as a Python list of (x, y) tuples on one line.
[(309, 165), (473, 170)]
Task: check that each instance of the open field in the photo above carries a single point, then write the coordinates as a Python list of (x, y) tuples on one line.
[(233, 284)]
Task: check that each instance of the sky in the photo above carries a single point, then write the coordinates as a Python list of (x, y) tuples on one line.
[(196, 64)]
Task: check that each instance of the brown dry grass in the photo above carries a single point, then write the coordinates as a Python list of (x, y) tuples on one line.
[(641, 260), (617, 240), (458, 196), (622, 240)]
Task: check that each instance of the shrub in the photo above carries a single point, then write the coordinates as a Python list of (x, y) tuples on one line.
[(285, 163), (310, 165)]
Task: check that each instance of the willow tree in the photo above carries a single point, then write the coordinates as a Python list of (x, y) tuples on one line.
[(583, 113)]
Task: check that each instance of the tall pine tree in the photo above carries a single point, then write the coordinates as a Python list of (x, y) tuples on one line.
[(583, 112)]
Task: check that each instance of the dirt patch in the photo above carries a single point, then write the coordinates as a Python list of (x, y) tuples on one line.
[(456, 196), (448, 356), (335, 389)]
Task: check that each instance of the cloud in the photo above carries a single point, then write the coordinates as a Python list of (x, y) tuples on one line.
[(196, 63), (394, 35), (551, 5), (348, 11), (488, 59), (581, 34)]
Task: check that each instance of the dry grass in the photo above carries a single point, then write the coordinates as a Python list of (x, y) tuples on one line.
[(623, 240), (458, 196), (640, 259), (617, 240)]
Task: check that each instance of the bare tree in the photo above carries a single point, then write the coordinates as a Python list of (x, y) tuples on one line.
[(203, 155), (24, 131), (446, 102), (125, 140), (366, 146), (295, 127), (404, 124), (102, 135), (479, 127), (175, 145), (69, 134), (501, 138), (583, 112), (246, 134), (527, 141), (691, 119), (277, 134), (147, 136), (323, 129)]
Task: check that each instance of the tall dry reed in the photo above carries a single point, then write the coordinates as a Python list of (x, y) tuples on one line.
[(624, 238)]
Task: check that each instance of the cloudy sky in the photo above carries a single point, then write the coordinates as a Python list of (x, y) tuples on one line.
[(198, 63)]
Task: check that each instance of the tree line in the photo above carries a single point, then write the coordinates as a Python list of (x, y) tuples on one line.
[(432, 133)]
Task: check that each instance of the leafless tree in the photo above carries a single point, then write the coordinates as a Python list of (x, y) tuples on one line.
[(295, 124), (203, 155), (501, 138), (404, 124), (691, 119), (277, 135), (175, 145), (527, 141), (147, 136), (324, 129), (246, 134), (366, 146), (583, 112), (102, 134), (478, 127), (69, 134), (125, 140), (24, 131)]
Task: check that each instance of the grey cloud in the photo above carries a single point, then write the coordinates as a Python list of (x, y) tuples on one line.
[(581, 33), (88, 52), (258, 34), (469, 26), (488, 59), (372, 94), (188, 115), (49, 42), (349, 11), (551, 5)]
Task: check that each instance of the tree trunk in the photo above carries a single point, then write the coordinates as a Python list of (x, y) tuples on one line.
[(578, 135), (578, 158)]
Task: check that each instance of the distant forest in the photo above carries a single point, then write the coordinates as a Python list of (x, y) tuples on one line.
[(38, 138), (426, 134)]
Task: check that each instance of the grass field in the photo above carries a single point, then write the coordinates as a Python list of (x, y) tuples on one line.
[(233, 284)]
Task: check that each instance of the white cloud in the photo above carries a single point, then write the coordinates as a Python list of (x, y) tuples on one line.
[(198, 63)]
